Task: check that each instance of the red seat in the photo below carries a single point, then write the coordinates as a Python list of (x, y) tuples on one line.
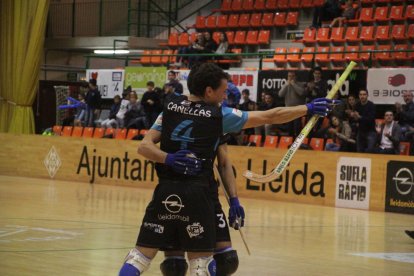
[(309, 36), (200, 22), (240, 37), (316, 143), (367, 34), (211, 22), (322, 36), (88, 132), (271, 4), (398, 32), (337, 35), (409, 12), (216, 37), (264, 37), (156, 59), (143, 132), (337, 55), (307, 3), (267, 20), (57, 130), (257, 139), (322, 56), (280, 19), (404, 148), (383, 55), (307, 54), (318, 3), (222, 21), (121, 134), (292, 18), (351, 35), (270, 141), (183, 39), (110, 132), (251, 37), (366, 15), (381, 14), (410, 32), (400, 56), (353, 54), (173, 40), (260, 5), (230, 37), (145, 57), (283, 4), (396, 13), (285, 142), (248, 5), (226, 6), (244, 20), (132, 133), (256, 20), (193, 37), (382, 33), (294, 4), (367, 52), (166, 59), (237, 5), (233, 21), (280, 58), (99, 132), (293, 55)]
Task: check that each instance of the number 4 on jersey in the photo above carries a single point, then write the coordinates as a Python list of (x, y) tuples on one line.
[(182, 133)]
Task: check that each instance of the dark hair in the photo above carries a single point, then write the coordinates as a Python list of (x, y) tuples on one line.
[(117, 97), (363, 89), (92, 81), (317, 68), (225, 36), (172, 72), (150, 83), (246, 91), (204, 75)]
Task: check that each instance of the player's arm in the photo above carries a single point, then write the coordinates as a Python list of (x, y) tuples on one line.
[(225, 169), (278, 115), (149, 149)]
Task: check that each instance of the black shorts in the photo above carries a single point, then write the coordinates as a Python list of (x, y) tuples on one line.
[(222, 227), (180, 215)]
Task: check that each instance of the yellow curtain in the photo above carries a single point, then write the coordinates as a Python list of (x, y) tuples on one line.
[(22, 33)]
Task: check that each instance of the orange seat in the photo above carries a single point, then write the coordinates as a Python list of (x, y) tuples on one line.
[(409, 12), (240, 37), (211, 22), (307, 3), (183, 39), (295, 4), (285, 142), (257, 139), (200, 22), (172, 58), (381, 14), (110, 132), (400, 56), (264, 37), (396, 13), (222, 21), (292, 18), (193, 37), (99, 132), (57, 130), (280, 19), (244, 20), (143, 132), (216, 37), (366, 15), (352, 54), (256, 20), (156, 59), (270, 141), (307, 54), (271, 4), (237, 5), (293, 55), (260, 5), (337, 55), (317, 143), (121, 134), (225, 5), (398, 33), (230, 37), (367, 34), (322, 56), (173, 40), (88, 132), (351, 34), (404, 148), (145, 57), (233, 21), (248, 5), (281, 57), (283, 4), (132, 132), (251, 37), (318, 3), (337, 35), (309, 36), (77, 131), (410, 32), (322, 36), (267, 20), (383, 55), (367, 52), (166, 59), (67, 131)]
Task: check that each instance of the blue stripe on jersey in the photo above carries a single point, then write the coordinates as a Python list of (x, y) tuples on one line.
[(233, 119), (158, 123)]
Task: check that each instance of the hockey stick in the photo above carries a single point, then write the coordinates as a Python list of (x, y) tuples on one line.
[(228, 201), (276, 172)]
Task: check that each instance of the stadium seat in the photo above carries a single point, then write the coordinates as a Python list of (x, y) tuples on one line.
[(322, 36), (367, 34), (293, 56), (307, 55), (382, 34), (156, 59), (294, 4), (381, 14), (352, 54), (325, 122), (88, 132), (240, 37), (337, 55), (237, 5), (396, 13), (193, 37), (248, 5), (226, 5), (200, 22), (318, 3), (271, 5), (256, 20), (400, 56), (267, 20), (77, 131), (216, 37), (322, 56), (67, 131), (166, 59), (99, 132), (352, 35), (173, 40), (121, 133), (143, 132), (270, 141), (132, 133), (172, 58), (251, 37), (285, 142), (404, 148), (145, 57), (257, 139), (110, 132), (244, 20), (280, 59), (230, 37), (317, 143), (233, 21), (264, 37), (309, 36), (368, 50), (307, 3), (211, 22), (283, 4), (280, 19), (222, 21), (409, 12), (292, 18), (398, 33), (366, 15), (260, 5), (183, 39), (410, 32), (57, 130), (337, 35), (383, 55)]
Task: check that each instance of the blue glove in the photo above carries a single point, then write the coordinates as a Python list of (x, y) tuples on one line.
[(184, 162), (321, 106), (236, 213)]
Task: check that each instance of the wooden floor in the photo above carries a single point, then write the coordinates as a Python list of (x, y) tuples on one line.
[(66, 228)]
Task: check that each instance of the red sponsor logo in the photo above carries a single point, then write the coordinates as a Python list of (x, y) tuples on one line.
[(396, 80), (242, 79)]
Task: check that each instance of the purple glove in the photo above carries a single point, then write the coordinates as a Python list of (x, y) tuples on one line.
[(321, 106), (184, 162), (236, 213)]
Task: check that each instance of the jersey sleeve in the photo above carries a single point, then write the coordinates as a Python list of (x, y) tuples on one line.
[(158, 123), (233, 119)]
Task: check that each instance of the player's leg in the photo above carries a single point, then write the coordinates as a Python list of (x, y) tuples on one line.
[(226, 259), (137, 261), (174, 264), (202, 263)]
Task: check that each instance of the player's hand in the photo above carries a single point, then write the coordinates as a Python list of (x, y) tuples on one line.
[(184, 162), (321, 106), (236, 213)]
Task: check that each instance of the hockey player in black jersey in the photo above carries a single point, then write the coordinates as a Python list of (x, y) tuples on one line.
[(182, 210)]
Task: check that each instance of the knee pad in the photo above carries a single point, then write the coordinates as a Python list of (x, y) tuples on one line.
[(226, 262), (135, 264), (203, 267), (174, 266)]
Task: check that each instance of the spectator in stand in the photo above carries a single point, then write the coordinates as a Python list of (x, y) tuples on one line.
[(173, 82), (340, 132), (123, 107), (223, 45), (267, 129), (327, 12), (247, 105), (294, 94), (196, 48), (93, 99), (135, 115), (364, 114), (80, 111), (210, 45), (151, 105), (233, 94), (388, 135), (348, 14), (405, 115), (111, 121)]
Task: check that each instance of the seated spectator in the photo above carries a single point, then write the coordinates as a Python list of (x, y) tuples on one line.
[(348, 14), (196, 48), (80, 111), (151, 105), (123, 108), (210, 45), (247, 105), (267, 129), (327, 12), (349, 109), (111, 121), (388, 136), (405, 115), (223, 45), (174, 83), (340, 132)]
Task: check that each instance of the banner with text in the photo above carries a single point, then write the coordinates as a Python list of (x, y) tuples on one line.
[(110, 82), (138, 77), (353, 180), (399, 196), (386, 85)]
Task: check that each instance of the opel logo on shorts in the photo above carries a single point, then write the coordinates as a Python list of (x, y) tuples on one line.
[(404, 181), (173, 204)]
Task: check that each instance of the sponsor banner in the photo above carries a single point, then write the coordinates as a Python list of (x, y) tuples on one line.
[(399, 196), (353, 180), (110, 82), (242, 79), (138, 77), (274, 80), (386, 86)]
